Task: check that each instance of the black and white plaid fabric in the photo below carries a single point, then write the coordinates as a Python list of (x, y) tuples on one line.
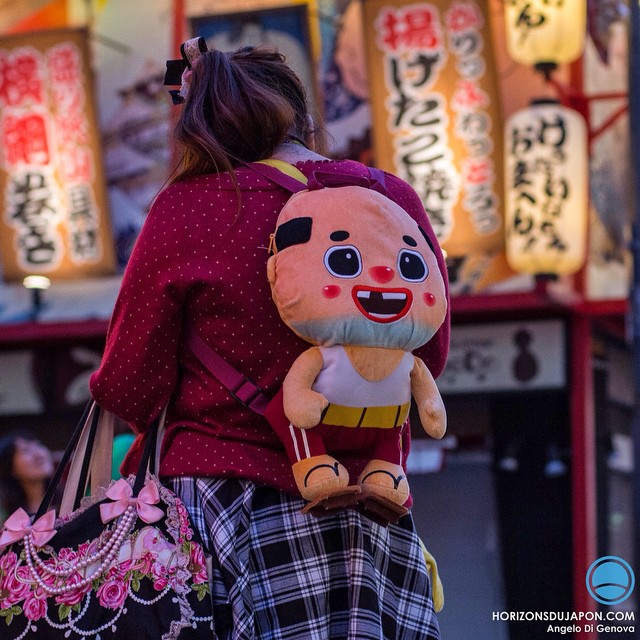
[(282, 575)]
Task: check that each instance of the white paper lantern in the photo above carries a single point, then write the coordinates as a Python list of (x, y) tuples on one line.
[(546, 189), (545, 32)]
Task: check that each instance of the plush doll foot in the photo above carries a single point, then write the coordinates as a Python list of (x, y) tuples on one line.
[(324, 482), (384, 489)]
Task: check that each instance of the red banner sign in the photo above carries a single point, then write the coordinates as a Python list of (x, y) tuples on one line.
[(54, 213), (436, 124)]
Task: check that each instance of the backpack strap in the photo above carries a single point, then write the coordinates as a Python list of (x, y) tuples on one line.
[(282, 173), (286, 167), (241, 389), (292, 179)]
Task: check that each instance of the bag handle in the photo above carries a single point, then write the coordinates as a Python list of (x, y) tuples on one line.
[(91, 460), (88, 457), (89, 418)]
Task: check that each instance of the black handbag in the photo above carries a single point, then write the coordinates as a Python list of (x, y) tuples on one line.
[(122, 563)]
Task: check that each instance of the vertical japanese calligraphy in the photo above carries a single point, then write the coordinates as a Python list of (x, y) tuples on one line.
[(435, 111), (546, 189), (54, 215)]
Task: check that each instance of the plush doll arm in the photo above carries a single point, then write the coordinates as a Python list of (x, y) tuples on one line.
[(428, 400), (302, 405)]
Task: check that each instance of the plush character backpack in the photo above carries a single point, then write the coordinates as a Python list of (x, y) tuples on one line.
[(353, 274)]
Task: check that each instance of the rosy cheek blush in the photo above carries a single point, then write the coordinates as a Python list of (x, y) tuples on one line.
[(429, 299), (331, 291)]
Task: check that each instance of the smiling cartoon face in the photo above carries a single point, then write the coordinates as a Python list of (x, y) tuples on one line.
[(351, 267)]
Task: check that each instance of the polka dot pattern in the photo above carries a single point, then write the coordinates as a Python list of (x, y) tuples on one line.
[(201, 259)]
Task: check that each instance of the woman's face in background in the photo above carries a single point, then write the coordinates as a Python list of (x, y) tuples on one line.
[(31, 461)]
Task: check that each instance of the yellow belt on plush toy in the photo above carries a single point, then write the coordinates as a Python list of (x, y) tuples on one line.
[(372, 417)]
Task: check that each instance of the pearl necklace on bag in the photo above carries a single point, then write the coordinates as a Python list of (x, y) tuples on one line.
[(105, 555)]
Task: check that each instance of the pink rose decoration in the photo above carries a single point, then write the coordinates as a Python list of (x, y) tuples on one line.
[(75, 595), (198, 565), (112, 594), (160, 578), (14, 589), (183, 515), (68, 555), (49, 579), (34, 608), (8, 561)]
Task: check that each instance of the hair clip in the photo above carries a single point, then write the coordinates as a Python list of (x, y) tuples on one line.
[(190, 51), (173, 74), (176, 96)]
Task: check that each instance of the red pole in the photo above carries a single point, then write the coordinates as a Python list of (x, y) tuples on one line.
[(583, 464), (179, 27), (178, 37)]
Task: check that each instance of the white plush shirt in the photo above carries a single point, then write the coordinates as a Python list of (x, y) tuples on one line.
[(341, 384)]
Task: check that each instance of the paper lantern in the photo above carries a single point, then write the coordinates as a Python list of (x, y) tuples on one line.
[(545, 32), (546, 201)]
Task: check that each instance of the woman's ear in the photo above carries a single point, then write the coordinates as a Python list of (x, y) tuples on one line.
[(310, 138)]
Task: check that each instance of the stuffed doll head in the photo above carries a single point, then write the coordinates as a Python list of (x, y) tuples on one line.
[(351, 267)]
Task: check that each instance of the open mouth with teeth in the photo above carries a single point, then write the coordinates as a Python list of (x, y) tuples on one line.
[(382, 305)]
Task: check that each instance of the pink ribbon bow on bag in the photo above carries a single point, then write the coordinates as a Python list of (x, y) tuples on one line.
[(18, 525), (122, 495)]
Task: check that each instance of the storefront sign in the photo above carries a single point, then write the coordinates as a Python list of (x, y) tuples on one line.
[(54, 218), (506, 356), (435, 115)]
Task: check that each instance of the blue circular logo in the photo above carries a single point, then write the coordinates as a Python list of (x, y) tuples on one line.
[(610, 580)]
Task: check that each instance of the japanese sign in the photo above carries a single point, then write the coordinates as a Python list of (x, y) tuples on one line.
[(54, 213), (506, 356), (434, 104), (546, 201)]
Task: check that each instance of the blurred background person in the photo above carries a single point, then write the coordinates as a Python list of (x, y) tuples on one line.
[(26, 466)]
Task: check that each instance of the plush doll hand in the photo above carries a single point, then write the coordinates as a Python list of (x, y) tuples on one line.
[(428, 400), (302, 405)]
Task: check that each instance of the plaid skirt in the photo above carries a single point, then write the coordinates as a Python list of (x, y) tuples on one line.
[(279, 574)]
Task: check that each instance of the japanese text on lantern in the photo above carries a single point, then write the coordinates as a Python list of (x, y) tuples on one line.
[(418, 42), (45, 144), (539, 185), (530, 16)]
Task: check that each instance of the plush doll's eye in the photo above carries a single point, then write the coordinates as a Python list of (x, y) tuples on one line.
[(343, 261), (412, 266)]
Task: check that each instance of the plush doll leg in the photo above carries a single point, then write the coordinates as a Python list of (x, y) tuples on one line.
[(383, 482), (320, 478), (385, 479)]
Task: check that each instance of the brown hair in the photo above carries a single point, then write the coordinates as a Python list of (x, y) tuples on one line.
[(240, 106)]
